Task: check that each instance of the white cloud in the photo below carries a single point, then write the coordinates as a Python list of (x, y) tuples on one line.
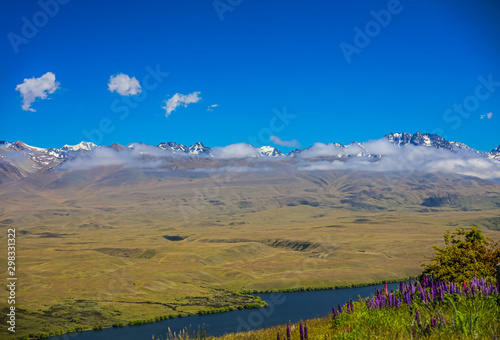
[(488, 115), (180, 99), (242, 157), (278, 141), (33, 88), (239, 150), (212, 107), (322, 150), (124, 85), (404, 160)]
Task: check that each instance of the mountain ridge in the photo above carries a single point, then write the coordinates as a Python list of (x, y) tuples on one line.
[(25, 158)]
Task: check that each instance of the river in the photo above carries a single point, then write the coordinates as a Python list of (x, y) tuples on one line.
[(283, 308)]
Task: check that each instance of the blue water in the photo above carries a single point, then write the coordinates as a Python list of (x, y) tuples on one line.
[(283, 308)]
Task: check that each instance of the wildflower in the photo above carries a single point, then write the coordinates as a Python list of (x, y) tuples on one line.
[(414, 332), (278, 336), (288, 333), (417, 317), (385, 288), (306, 333), (301, 331)]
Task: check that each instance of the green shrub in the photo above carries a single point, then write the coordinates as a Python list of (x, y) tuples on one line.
[(467, 254)]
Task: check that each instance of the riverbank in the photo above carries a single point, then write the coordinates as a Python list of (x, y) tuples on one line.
[(277, 311), (429, 309)]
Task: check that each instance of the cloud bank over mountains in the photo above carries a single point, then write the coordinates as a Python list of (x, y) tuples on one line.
[(402, 153)]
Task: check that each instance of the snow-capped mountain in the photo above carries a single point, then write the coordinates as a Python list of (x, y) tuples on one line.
[(400, 139), (198, 149), (495, 153), (174, 147), (419, 139), (269, 151), (87, 146), (20, 158)]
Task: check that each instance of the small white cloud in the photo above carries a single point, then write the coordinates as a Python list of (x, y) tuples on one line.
[(124, 85), (212, 107), (238, 150), (33, 88), (180, 99), (278, 141), (488, 115)]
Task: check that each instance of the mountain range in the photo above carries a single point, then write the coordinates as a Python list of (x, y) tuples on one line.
[(18, 160), (405, 171)]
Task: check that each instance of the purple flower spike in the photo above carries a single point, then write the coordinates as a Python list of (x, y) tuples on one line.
[(301, 331), (278, 338), (288, 333), (306, 333), (417, 317)]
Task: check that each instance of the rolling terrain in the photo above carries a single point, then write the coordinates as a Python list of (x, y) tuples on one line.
[(112, 243)]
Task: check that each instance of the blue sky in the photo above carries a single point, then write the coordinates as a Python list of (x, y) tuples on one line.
[(430, 66)]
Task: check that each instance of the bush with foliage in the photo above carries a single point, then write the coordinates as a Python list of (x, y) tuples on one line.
[(467, 254)]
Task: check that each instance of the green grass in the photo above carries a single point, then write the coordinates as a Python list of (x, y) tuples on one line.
[(456, 317)]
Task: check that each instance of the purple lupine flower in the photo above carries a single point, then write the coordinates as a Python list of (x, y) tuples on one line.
[(340, 309), (288, 333), (433, 322), (417, 317), (278, 338), (443, 321), (301, 331), (414, 332)]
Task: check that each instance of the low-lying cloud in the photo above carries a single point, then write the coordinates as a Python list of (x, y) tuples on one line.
[(235, 151), (385, 156), (378, 155)]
